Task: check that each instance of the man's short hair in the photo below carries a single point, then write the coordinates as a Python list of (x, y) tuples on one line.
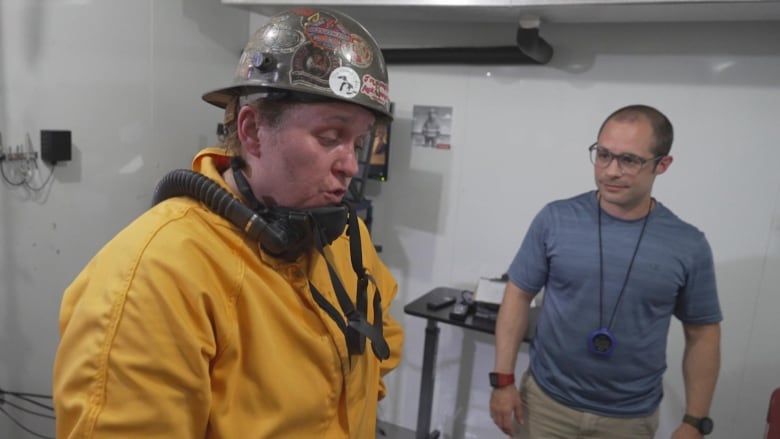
[(663, 132)]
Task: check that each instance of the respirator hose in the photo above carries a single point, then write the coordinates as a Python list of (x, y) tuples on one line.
[(184, 182)]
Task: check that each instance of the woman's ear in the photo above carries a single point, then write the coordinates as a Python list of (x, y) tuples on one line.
[(247, 125)]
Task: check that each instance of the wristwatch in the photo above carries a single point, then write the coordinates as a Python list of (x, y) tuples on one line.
[(704, 425), (501, 379)]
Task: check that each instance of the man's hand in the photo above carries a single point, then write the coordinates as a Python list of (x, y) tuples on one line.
[(506, 407), (686, 431)]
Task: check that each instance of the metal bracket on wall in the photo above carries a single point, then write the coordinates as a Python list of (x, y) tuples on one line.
[(18, 155), (19, 166)]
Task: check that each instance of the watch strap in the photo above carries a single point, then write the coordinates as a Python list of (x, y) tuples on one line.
[(703, 425), (498, 379)]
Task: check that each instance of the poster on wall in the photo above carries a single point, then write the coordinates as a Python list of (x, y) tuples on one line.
[(431, 126)]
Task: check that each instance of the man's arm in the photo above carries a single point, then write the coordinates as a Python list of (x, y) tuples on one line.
[(511, 325), (701, 364)]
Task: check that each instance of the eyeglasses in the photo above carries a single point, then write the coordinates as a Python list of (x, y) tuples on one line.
[(629, 164)]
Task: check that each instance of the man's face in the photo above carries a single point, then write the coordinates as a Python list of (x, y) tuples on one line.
[(310, 158), (620, 189)]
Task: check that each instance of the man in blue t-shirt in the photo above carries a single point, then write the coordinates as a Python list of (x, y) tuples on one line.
[(615, 266)]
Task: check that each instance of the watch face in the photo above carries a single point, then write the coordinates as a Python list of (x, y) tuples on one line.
[(705, 426)]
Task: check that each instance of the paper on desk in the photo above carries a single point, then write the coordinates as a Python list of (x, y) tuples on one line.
[(490, 290)]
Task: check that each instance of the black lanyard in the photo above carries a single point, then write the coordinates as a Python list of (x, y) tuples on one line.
[(628, 273)]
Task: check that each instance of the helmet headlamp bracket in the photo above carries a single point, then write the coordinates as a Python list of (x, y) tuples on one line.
[(263, 62)]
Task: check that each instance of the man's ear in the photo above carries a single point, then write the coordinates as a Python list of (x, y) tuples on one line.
[(663, 164), (247, 125)]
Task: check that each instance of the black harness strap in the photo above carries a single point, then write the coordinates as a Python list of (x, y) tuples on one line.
[(356, 253), (356, 327), (237, 164)]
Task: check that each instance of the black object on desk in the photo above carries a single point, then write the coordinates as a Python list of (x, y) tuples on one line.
[(419, 307), (440, 302)]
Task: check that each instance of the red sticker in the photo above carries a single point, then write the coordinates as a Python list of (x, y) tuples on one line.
[(375, 90)]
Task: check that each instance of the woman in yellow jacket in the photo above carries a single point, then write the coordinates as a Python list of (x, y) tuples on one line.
[(182, 326)]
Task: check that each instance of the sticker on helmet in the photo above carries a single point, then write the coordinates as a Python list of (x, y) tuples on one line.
[(325, 31), (375, 89), (311, 66), (357, 52), (345, 82), (278, 38)]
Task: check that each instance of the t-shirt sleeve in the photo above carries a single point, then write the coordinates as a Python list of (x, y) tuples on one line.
[(698, 300), (529, 267)]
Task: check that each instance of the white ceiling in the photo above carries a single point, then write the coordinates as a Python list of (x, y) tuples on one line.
[(549, 11)]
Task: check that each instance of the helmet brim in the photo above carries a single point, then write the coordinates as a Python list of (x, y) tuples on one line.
[(223, 96)]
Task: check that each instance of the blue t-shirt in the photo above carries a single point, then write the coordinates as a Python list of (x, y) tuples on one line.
[(673, 274)]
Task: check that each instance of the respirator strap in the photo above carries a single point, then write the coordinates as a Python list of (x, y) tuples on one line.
[(356, 255), (237, 165), (356, 327)]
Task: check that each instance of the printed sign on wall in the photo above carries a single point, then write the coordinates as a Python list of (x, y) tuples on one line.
[(431, 126)]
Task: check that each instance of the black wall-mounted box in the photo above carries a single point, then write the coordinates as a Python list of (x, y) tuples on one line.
[(55, 146)]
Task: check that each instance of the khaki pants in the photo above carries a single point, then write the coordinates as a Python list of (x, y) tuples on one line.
[(546, 418)]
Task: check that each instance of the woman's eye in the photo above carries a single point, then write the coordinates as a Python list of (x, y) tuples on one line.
[(328, 141)]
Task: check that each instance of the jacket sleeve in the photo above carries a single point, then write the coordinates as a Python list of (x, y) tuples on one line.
[(137, 338)]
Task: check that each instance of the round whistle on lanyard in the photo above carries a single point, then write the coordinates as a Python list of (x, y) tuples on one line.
[(602, 342)]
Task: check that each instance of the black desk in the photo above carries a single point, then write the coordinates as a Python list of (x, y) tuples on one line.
[(419, 308)]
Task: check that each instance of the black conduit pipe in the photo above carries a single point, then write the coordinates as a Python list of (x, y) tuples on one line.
[(530, 49)]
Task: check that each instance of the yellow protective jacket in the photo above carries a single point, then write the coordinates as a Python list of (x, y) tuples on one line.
[(180, 327)]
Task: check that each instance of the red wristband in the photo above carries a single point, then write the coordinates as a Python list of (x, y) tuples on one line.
[(501, 379)]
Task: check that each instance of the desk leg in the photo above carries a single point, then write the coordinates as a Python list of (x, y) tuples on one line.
[(426, 387)]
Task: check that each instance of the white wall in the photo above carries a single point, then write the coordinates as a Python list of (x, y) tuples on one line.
[(520, 138), (126, 79)]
